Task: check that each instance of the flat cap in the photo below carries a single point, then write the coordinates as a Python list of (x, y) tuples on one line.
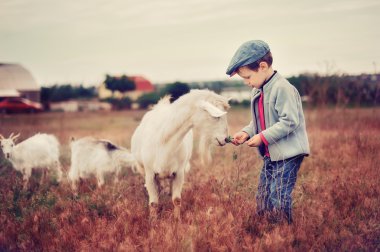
[(247, 53)]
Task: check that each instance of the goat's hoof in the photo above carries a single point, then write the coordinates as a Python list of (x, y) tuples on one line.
[(25, 186), (153, 212), (177, 209)]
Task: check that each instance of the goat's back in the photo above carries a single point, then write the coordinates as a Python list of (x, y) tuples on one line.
[(38, 150), (151, 145), (89, 156)]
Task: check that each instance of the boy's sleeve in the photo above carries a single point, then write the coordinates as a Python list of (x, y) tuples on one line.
[(288, 104), (249, 129)]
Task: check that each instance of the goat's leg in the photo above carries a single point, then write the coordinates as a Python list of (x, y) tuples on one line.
[(176, 190), (157, 183), (43, 176), (58, 170), (26, 173), (150, 185), (74, 186), (100, 178), (116, 179), (73, 177)]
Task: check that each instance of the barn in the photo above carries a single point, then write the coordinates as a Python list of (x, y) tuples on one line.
[(15, 80)]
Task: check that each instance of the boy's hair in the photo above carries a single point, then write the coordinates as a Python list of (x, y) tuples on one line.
[(267, 58)]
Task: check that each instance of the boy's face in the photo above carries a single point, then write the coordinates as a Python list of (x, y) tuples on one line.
[(253, 78)]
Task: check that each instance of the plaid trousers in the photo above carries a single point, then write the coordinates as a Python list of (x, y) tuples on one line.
[(277, 180)]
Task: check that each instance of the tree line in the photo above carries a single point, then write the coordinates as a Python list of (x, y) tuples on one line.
[(316, 90), (57, 93), (338, 90)]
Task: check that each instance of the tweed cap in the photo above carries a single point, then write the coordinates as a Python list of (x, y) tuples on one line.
[(247, 53)]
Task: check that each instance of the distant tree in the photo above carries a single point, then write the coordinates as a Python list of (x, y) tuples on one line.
[(176, 90), (339, 90), (62, 93), (83, 92), (121, 84), (148, 99), (216, 86), (45, 94), (125, 84), (118, 104), (65, 92), (297, 82), (110, 83)]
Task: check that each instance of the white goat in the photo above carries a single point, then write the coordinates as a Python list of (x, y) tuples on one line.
[(39, 151), (162, 144), (90, 156)]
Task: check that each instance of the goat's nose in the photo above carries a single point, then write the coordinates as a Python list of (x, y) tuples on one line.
[(228, 139), (8, 155)]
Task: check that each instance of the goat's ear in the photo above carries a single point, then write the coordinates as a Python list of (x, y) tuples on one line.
[(211, 109), (1, 137)]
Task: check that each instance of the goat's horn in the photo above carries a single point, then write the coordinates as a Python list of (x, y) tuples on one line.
[(16, 136), (11, 135), (1, 137)]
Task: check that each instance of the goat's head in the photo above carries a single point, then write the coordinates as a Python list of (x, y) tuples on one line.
[(7, 144), (211, 121)]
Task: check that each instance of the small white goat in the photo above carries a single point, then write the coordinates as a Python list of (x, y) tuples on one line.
[(39, 151), (90, 156), (162, 144)]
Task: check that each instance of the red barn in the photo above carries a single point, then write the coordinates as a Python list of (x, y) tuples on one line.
[(142, 84)]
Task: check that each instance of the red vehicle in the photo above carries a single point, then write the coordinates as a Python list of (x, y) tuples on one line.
[(17, 104)]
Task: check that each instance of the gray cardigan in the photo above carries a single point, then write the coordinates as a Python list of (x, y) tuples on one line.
[(285, 123)]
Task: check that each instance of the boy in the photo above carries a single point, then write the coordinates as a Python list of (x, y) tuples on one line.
[(277, 128)]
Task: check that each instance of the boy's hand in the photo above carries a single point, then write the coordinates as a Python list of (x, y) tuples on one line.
[(255, 141), (240, 138)]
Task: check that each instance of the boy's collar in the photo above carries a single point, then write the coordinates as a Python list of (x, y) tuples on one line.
[(256, 91), (268, 80)]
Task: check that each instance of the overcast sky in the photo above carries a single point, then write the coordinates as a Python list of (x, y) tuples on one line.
[(185, 40)]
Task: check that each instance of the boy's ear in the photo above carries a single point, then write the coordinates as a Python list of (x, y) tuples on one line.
[(263, 65)]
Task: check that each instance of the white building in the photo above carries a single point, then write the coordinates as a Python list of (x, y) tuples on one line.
[(238, 94), (15, 81)]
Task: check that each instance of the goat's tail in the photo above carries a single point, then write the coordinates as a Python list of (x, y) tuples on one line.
[(131, 161)]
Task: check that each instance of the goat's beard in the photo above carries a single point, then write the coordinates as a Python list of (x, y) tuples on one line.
[(204, 149)]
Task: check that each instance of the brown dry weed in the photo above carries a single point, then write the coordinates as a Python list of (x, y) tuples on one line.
[(336, 198)]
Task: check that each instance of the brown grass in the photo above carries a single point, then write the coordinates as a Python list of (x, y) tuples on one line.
[(336, 198)]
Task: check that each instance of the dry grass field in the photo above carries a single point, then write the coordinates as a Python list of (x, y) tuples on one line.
[(336, 198)]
